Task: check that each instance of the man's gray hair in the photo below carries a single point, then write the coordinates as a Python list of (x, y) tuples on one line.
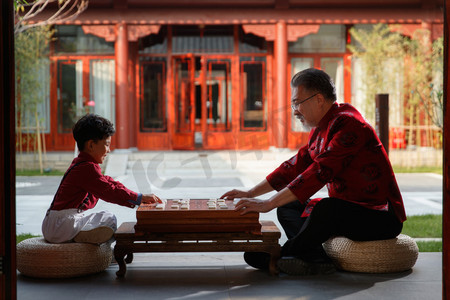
[(315, 80)]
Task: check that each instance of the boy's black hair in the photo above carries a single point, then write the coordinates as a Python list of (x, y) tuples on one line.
[(91, 127)]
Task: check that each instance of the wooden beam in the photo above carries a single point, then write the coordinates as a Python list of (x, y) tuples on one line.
[(277, 4), (224, 16)]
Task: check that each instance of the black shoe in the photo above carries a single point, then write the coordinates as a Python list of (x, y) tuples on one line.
[(296, 266), (258, 260)]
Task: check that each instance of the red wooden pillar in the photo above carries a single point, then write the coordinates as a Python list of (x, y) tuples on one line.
[(122, 103), (132, 88), (347, 68), (170, 85), (446, 166), (280, 125)]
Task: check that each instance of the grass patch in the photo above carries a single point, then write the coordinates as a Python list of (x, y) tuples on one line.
[(38, 173), (423, 226), (433, 246), (399, 169), (24, 236)]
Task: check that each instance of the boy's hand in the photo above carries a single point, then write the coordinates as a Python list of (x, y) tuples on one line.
[(151, 199)]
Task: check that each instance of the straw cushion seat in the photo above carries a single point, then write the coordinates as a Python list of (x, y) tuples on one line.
[(383, 256), (38, 258)]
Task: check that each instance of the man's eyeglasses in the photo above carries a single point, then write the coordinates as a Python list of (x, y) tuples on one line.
[(295, 105)]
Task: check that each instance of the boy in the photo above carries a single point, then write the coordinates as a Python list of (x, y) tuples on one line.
[(82, 186)]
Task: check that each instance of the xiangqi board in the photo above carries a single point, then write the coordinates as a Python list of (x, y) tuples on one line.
[(195, 215)]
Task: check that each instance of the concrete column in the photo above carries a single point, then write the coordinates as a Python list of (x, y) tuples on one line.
[(122, 103), (280, 126)]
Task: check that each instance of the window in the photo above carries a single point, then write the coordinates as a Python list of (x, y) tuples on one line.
[(102, 87), (329, 38), (152, 95), (218, 102), (334, 66), (185, 94), (299, 64), (202, 39), (70, 94), (72, 39), (253, 113)]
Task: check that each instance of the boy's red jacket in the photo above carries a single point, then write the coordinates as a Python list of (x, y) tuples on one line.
[(85, 184)]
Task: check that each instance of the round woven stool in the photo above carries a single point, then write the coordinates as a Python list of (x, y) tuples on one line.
[(37, 258), (383, 256)]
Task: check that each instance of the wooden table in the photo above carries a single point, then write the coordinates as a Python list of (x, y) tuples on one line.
[(129, 242)]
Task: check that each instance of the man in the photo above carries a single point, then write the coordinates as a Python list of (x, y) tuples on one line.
[(343, 153)]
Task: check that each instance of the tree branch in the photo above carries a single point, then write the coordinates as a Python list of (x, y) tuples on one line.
[(69, 10)]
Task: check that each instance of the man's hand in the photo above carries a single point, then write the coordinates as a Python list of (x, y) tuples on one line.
[(248, 205), (259, 189), (151, 199), (235, 194)]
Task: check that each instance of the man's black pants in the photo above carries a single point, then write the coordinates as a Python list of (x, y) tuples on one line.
[(332, 217)]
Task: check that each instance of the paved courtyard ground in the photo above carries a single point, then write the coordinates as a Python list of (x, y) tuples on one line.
[(218, 275)]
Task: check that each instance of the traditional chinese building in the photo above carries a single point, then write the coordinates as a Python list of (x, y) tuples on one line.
[(196, 74)]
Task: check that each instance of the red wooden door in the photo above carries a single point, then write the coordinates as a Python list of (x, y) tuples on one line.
[(217, 131), (184, 93)]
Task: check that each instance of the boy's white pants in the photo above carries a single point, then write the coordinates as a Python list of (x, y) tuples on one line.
[(60, 226)]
